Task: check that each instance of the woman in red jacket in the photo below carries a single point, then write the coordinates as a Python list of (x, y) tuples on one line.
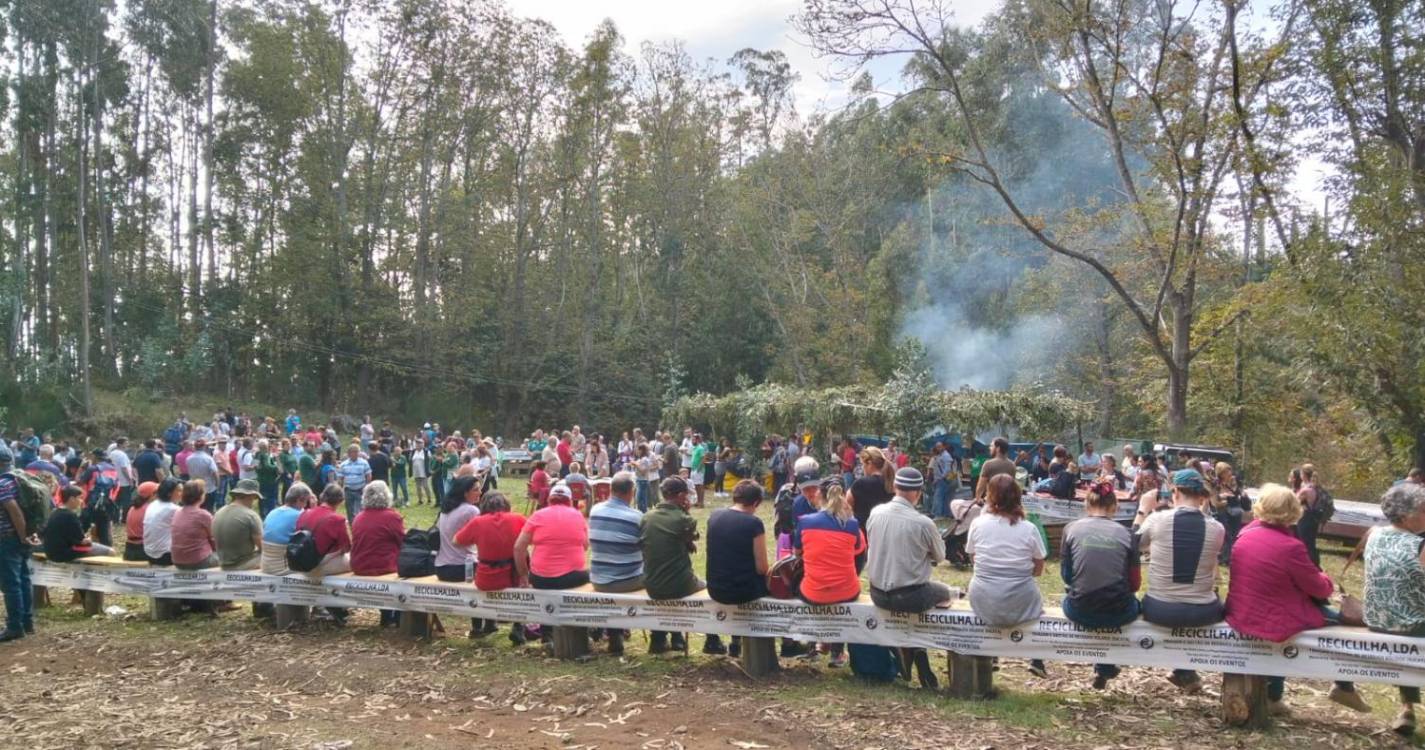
[(376, 537), (831, 545), (493, 534), (1275, 591)]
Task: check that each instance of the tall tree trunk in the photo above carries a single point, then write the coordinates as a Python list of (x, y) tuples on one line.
[(103, 226), (48, 234), (146, 166), (81, 231), (21, 261), (195, 264), (1178, 366), (212, 64)]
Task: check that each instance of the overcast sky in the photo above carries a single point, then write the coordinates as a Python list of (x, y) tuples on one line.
[(718, 29)]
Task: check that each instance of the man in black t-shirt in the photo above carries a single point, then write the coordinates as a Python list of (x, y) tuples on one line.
[(148, 463), (380, 462)]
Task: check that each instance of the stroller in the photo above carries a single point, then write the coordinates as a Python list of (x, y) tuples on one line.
[(962, 513)]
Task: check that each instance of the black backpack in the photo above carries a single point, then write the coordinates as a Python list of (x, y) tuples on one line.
[(302, 554), (784, 522), (1325, 505), (417, 556)]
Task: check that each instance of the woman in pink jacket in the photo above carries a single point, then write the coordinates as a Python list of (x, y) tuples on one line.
[(1276, 591)]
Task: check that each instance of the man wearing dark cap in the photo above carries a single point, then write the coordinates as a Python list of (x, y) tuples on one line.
[(14, 553), (669, 537)]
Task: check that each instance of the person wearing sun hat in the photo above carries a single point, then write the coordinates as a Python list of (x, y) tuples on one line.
[(1182, 545), (237, 529)]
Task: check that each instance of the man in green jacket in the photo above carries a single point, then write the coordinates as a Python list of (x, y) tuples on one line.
[(307, 468), (267, 474), (669, 538)]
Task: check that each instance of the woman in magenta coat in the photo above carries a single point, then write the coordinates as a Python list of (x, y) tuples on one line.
[(1275, 590)]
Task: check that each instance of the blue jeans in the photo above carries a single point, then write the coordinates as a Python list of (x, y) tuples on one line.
[(353, 504), (400, 493), (941, 507), (847, 478), (269, 499), (643, 490), (15, 584)]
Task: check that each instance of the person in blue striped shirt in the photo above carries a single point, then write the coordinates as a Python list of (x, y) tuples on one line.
[(616, 554)]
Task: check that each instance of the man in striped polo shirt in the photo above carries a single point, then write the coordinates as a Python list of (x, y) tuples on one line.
[(616, 559)]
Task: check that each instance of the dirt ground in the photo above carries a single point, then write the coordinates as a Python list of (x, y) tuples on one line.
[(121, 681)]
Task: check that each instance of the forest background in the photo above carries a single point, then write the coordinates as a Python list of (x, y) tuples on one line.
[(437, 209)]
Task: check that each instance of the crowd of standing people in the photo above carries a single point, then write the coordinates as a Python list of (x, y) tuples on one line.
[(236, 495)]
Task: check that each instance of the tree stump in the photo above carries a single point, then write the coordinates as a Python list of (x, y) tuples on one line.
[(971, 677), (162, 608), (289, 615), (416, 625), (41, 596), (93, 602), (1244, 701), (759, 656), (571, 642)]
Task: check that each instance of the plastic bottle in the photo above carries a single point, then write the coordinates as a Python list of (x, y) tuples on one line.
[(469, 570)]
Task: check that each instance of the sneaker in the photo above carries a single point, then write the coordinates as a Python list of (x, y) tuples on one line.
[(1278, 708), (680, 643), (792, 649), (1349, 698), (1100, 682), (517, 636), (30, 628), (713, 646), (1404, 723), (837, 660), (658, 646), (1190, 685), (734, 649), (1037, 668), (11, 635)]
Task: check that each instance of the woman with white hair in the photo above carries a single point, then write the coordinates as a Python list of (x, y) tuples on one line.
[(1395, 579), (376, 537), (1275, 591)]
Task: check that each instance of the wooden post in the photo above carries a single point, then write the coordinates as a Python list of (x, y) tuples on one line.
[(1244, 701), (571, 642), (41, 596), (416, 625), (163, 608), (289, 615), (971, 677), (93, 602), (759, 656)]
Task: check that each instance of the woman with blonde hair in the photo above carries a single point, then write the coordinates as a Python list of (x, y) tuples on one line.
[(1275, 591), (876, 485), (831, 545)]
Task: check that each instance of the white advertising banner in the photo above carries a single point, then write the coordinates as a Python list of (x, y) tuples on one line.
[(1327, 653), (1057, 510)]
